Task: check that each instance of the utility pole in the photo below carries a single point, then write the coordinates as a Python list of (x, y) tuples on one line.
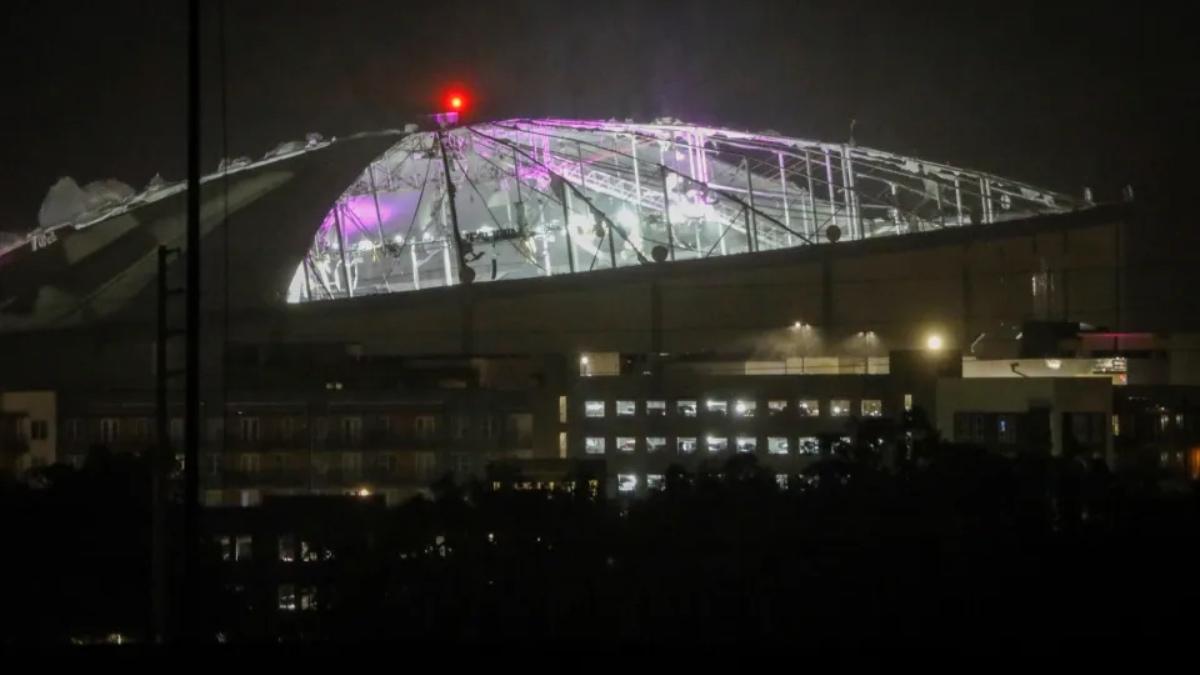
[(161, 461), (191, 457)]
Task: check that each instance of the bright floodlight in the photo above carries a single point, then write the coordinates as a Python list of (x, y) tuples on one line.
[(933, 342)]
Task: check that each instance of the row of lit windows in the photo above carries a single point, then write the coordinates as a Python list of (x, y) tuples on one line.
[(741, 408), (686, 445), (628, 482)]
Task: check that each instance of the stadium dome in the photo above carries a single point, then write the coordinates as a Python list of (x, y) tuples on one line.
[(542, 197)]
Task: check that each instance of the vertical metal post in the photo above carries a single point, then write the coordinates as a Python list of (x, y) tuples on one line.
[(787, 215), (985, 195), (159, 465), (637, 182), (341, 236), (812, 198), (458, 247), (566, 207), (851, 198), (752, 224), (416, 265), (378, 222), (895, 190), (307, 279), (547, 262), (612, 241), (829, 183), (937, 191), (958, 199), (192, 359), (691, 148), (446, 263), (517, 175), (667, 212), (579, 158)]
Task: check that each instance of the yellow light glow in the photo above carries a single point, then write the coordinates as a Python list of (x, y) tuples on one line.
[(933, 342), (364, 492)]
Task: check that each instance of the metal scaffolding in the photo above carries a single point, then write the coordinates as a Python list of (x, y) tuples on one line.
[(555, 196)]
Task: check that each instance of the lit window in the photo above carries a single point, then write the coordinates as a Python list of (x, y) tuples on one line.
[(593, 445), (808, 407), (626, 408), (717, 444), (715, 407), (655, 481), (287, 598), (808, 445), (308, 552), (743, 408), (287, 548), (872, 407), (685, 408), (1006, 428), (585, 365), (562, 444), (747, 444), (243, 547), (626, 482), (776, 408), (777, 445), (1116, 425), (226, 545), (656, 408), (626, 444), (839, 407), (844, 443), (685, 446), (593, 408), (308, 598), (908, 403), (656, 444), (781, 479), (562, 409)]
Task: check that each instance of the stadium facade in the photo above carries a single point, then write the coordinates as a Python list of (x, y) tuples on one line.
[(595, 301)]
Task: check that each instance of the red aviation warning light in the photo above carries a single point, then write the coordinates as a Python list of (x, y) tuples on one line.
[(455, 101), (453, 106)]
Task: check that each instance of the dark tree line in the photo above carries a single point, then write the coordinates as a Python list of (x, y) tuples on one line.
[(961, 544)]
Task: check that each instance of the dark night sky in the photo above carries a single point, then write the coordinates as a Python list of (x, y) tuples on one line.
[(1100, 93)]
